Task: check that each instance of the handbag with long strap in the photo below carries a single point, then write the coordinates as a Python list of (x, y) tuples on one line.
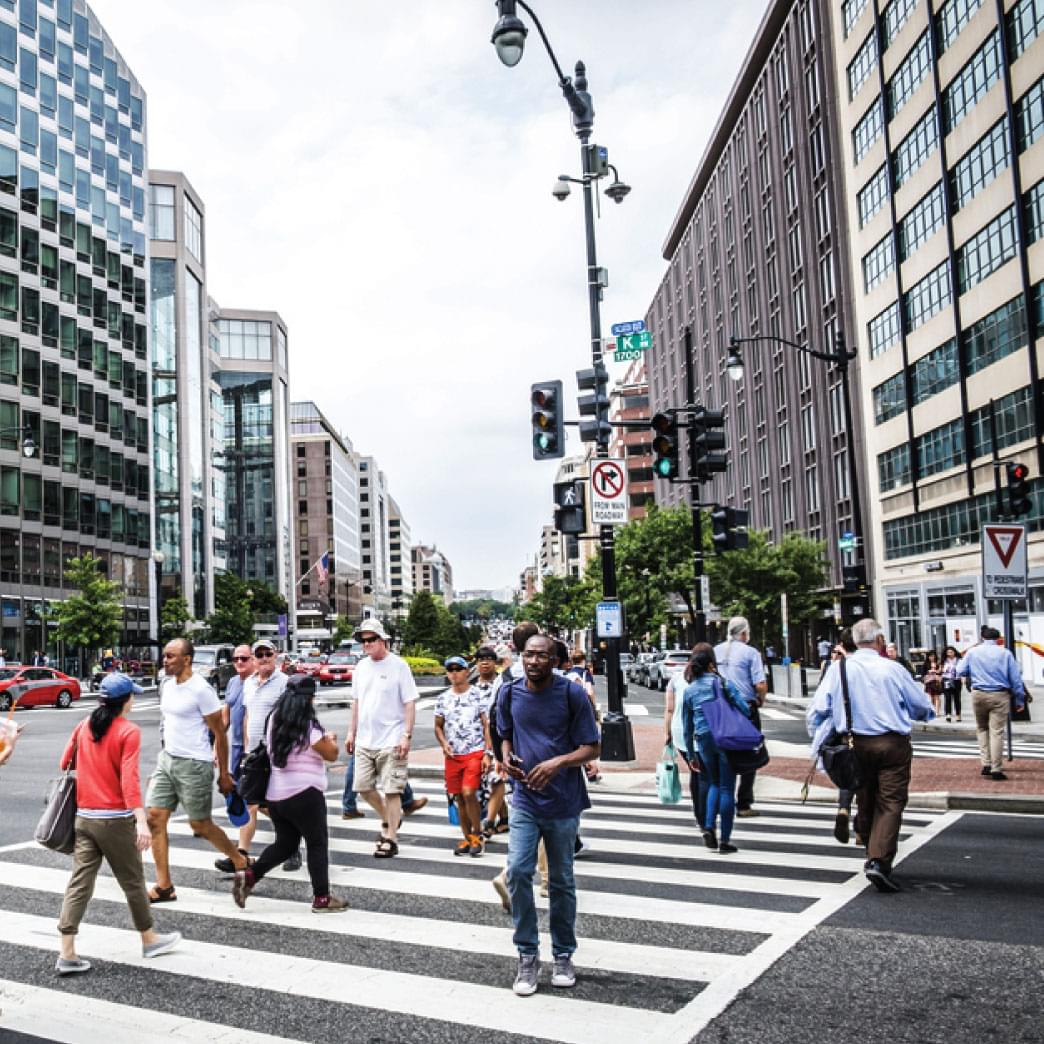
[(57, 827), (668, 783), (729, 727), (838, 749)]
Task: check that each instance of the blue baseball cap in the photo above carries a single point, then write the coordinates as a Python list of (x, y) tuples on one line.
[(238, 813), (455, 661), (116, 686)]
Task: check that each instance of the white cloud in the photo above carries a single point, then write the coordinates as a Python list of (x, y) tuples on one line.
[(371, 171)]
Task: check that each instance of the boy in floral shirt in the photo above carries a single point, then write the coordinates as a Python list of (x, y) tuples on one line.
[(462, 730)]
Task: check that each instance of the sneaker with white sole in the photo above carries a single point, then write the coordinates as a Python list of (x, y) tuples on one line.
[(564, 974), (163, 944), (528, 974), (75, 966), (500, 887)]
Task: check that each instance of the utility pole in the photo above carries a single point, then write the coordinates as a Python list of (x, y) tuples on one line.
[(700, 623)]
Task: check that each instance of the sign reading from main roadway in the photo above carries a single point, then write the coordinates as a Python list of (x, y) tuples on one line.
[(1004, 561), (608, 493)]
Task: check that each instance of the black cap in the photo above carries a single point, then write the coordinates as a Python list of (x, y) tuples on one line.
[(486, 652)]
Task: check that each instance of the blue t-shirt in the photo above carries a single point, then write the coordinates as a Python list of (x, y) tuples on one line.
[(548, 724), (740, 664), (234, 702)]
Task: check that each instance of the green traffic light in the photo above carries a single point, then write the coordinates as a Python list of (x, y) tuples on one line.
[(664, 468)]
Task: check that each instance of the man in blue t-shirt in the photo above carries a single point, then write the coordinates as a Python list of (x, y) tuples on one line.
[(549, 732)]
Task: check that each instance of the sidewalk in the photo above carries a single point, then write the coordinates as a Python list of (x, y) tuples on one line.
[(946, 783)]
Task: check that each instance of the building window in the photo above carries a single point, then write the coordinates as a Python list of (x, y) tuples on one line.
[(915, 148), (971, 83), (862, 65), (923, 219), (987, 250), (1012, 420), (867, 130), (941, 448), (245, 339), (894, 17), (987, 158), (994, 336), (878, 262), (193, 230), (850, 12), (893, 467), (1024, 23), (872, 196), (951, 18), (1033, 208), (1029, 116), (908, 76), (933, 372), (161, 212), (883, 330), (890, 398), (928, 296)]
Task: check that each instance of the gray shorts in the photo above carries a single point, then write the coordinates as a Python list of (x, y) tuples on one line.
[(182, 781), (380, 770)]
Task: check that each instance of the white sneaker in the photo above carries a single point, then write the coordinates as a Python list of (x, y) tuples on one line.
[(528, 974), (163, 944), (564, 974)]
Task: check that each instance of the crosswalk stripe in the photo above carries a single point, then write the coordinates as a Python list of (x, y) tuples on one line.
[(574, 1021), (772, 714), (693, 965), (75, 1018)]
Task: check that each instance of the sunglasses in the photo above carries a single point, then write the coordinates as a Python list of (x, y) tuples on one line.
[(451, 670), (242, 659), (263, 654), (370, 640)]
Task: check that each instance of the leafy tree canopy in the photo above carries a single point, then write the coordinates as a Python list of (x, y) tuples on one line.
[(91, 618), (232, 620)]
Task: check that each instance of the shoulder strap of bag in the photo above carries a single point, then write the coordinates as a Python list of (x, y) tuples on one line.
[(844, 694)]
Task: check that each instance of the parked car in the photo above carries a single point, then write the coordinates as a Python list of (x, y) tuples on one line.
[(36, 686), (647, 668), (670, 663), (214, 663), (636, 670), (626, 659), (338, 669)]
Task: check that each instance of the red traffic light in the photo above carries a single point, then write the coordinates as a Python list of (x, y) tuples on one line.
[(1019, 472)]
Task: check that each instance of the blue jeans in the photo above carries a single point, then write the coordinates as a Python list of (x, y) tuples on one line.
[(721, 790), (559, 838), (349, 799)]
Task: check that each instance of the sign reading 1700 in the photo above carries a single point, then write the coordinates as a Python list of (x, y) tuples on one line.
[(632, 345)]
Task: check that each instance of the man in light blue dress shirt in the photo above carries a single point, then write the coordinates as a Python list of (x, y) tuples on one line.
[(885, 701), (996, 682)]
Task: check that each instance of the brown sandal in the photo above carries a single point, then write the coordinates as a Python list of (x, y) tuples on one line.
[(162, 895)]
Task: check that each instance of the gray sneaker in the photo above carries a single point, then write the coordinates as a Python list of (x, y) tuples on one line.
[(528, 973), (76, 966), (163, 944), (564, 974)]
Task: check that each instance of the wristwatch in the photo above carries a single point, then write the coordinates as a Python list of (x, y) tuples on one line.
[(407, 735)]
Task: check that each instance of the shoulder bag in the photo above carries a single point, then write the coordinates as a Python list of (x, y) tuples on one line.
[(838, 750), (57, 827), (668, 784), (255, 771), (729, 727)]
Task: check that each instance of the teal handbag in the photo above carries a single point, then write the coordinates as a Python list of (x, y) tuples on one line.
[(668, 783)]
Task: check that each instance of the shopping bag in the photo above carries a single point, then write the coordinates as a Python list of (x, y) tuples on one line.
[(668, 785)]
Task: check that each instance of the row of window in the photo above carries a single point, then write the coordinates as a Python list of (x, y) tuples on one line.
[(1023, 23), (922, 220), (987, 158), (976, 77), (951, 18), (894, 17), (908, 76), (987, 250)]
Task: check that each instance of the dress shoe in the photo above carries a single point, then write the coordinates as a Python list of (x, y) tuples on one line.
[(355, 814), (880, 878), (414, 806), (986, 770), (841, 826), (747, 813), (998, 776)]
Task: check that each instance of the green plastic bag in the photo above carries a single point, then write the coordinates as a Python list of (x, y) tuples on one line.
[(668, 783)]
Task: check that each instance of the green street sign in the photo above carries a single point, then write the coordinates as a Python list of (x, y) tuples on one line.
[(627, 356), (846, 544), (635, 342)]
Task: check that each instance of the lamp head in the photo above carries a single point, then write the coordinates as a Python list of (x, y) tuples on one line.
[(28, 446), (561, 188), (617, 190), (509, 34), (734, 361)]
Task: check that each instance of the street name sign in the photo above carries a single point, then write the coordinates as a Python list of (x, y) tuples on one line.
[(608, 493), (846, 542), (1004, 562), (609, 619), (621, 329), (634, 342)]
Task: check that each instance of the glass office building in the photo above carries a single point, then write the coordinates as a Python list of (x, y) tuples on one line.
[(73, 321)]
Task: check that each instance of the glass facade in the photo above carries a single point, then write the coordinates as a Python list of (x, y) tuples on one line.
[(73, 320)]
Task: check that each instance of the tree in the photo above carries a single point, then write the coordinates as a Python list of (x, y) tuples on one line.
[(232, 621), (343, 631), (92, 618), (174, 616), (564, 604), (422, 624), (265, 600)]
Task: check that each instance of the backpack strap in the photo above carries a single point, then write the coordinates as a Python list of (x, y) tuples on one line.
[(844, 694)]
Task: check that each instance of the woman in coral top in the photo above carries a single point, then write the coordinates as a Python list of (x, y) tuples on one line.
[(110, 820)]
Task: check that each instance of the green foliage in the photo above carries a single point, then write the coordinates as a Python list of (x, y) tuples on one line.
[(564, 604), (91, 618), (232, 620), (174, 616), (424, 665), (484, 609), (433, 627), (343, 631), (265, 600)]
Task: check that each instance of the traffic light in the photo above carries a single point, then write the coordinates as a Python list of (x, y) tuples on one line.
[(570, 513), (1019, 503), (665, 446), (594, 405), (548, 426), (707, 429), (853, 577), (729, 529)]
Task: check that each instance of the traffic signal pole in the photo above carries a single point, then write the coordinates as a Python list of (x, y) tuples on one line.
[(699, 609)]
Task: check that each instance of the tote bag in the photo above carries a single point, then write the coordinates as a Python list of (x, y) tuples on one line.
[(57, 827), (668, 785), (729, 727)]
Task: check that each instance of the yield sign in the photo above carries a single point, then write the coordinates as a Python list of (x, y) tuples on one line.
[(1005, 540), (1004, 562)]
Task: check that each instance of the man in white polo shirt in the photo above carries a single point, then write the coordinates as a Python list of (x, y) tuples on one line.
[(384, 699)]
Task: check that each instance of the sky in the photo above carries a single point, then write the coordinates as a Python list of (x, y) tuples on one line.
[(372, 172)]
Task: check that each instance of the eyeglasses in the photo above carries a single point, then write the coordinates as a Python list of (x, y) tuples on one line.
[(535, 655), (369, 641), (263, 654), (242, 659)]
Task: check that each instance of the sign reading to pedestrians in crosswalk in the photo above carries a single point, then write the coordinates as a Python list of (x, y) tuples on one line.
[(608, 493), (1004, 561)]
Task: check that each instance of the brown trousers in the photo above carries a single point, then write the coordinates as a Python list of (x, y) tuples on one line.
[(113, 841), (885, 762)]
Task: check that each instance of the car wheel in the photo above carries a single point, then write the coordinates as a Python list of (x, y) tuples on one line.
[(64, 699), (5, 701)]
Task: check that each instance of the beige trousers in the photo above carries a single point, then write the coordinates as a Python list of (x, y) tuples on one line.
[(991, 721)]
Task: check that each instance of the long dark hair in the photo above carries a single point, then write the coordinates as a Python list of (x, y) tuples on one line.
[(292, 722), (701, 661), (103, 716)]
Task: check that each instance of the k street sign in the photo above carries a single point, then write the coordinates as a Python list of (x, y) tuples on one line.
[(1004, 562)]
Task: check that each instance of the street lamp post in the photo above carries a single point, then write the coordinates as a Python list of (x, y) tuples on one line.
[(158, 558), (839, 357), (508, 38), (28, 450)]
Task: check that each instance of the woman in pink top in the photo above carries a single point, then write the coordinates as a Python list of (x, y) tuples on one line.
[(110, 820), (296, 797)]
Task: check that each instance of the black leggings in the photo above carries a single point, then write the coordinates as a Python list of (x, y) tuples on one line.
[(952, 696), (303, 815)]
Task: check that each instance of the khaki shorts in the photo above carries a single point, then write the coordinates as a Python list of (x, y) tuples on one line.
[(182, 781), (379, 770)]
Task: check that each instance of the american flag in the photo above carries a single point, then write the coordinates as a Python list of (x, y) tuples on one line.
[(322, 568)]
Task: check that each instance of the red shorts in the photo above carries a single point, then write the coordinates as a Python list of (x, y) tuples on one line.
[(464, 771)]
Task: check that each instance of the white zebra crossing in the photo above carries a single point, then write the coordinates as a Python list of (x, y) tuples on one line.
[(646, 871)]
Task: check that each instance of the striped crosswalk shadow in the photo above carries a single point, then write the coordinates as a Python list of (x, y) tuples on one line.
[(969, 748), (669, 934)]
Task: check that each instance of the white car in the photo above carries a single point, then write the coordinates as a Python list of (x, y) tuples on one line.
[(660, 671)]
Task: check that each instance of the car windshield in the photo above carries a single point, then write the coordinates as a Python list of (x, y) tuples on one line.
[(7, 674), (343, 659), (204, 658)]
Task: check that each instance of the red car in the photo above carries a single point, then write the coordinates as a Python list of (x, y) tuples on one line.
[(338, 669), (36, 686)]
